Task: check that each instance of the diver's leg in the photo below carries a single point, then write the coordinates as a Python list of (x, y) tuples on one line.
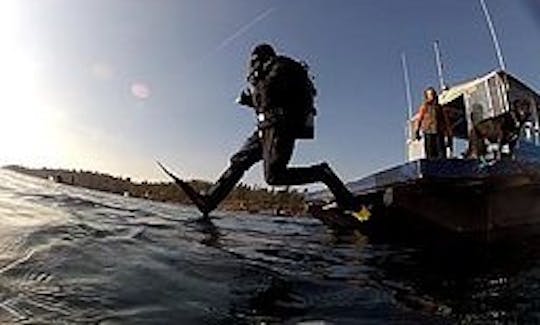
[(313, 174), (277, 152), (247, 156)]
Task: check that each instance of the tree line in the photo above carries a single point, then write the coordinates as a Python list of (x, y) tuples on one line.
[(243, 198)]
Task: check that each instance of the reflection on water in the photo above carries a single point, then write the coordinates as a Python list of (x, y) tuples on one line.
[(73, 255)]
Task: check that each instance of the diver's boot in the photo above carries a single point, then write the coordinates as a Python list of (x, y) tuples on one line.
[(346, 201), (344, 198)]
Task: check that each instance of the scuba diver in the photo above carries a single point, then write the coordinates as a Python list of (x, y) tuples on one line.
[(281, 92)]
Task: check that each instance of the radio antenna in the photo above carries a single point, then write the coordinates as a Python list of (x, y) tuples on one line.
[(439, 63), (408, 129), (493, 34), (407, 85)]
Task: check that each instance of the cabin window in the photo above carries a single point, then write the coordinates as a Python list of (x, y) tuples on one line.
[(455, 113), (497, 105), (479, 103)]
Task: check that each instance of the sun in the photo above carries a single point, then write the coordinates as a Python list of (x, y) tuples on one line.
[(25, 132)]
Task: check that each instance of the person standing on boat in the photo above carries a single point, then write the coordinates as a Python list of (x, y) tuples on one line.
[(432, 122), (281, 93)]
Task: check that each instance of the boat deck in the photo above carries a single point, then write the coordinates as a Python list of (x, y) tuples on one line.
[(527, 162)]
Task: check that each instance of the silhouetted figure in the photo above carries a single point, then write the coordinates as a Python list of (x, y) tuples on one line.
[(281, 92)]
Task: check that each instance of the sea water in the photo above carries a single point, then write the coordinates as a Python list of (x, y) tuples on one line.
[(70, 255)]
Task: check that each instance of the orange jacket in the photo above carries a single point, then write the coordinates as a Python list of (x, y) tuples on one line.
[(432, 119)]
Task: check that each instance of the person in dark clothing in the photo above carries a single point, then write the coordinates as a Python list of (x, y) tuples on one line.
[(282, 94), (434, 124)]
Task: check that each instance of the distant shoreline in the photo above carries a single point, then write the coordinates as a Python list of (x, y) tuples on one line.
[(243, 198)]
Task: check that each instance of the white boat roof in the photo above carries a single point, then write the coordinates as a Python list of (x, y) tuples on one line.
[(458, 90), (462, 88)]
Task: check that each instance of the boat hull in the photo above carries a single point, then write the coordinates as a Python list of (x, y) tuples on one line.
[(480, 207), (454, 196)]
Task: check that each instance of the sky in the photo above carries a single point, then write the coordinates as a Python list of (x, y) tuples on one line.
[(113, 86)]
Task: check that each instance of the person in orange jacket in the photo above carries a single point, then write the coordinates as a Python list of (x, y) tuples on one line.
[(434, 125)]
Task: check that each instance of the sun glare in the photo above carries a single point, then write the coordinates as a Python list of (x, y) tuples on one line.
[(25, 130)]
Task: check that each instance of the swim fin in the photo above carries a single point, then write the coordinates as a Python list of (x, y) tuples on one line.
[(198, 199)]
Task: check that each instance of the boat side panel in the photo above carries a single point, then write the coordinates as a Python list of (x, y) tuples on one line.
[(456, 208)]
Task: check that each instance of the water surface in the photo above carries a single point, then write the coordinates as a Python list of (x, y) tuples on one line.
[(70, 255)]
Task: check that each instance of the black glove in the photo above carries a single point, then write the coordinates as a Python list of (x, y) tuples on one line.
[(245, 98)]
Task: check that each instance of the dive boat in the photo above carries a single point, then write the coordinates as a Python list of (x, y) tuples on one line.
[(496, 191)]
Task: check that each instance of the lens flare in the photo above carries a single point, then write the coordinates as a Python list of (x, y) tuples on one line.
[(140, 90)]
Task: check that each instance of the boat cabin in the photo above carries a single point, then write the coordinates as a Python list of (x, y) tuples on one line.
[(471, 102)]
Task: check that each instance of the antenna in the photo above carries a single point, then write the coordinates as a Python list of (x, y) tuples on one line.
[(438, 62), (407, 86), (493, 35), (408, 128)]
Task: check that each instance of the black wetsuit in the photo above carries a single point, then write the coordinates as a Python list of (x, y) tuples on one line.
[(283, 105)]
